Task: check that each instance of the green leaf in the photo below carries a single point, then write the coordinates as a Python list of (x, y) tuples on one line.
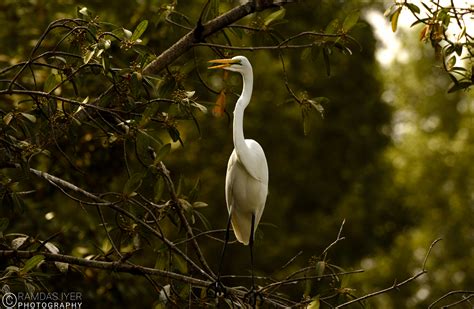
[(180, 263), (213, 10), (314, 304), (306, 123), (127, 33), (135, 84), (174, 134), (185, 204), (193, 194), (3, 224), (444, 17), (459, 86), (18, 242), (132, 184), (201, 107), (350, 20), (236, 32), (18, 202), (180, 185), (51, 82), (32, 263), (459, 69), (8, 118), (327, 63), (305, 54), (106, 63), (450, 63), (344, 49), (199, 205), (30, 117), (458, 49), (142, 50), (161, 261), (308, 285), (332, 27), (158, 189), (275, 16), (139, 30), (82, 12), (62, 267), (149, 112), (317, 104), (163, 152), (88, 56), (413, 8), (144, 141), (320, 268), (394, 19)]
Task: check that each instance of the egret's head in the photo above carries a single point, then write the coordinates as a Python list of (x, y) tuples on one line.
[(236, 64)]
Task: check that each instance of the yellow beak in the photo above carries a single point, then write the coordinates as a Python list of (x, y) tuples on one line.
[(221, 63)]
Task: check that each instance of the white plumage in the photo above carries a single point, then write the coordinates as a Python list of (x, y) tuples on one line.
[(247, 171)]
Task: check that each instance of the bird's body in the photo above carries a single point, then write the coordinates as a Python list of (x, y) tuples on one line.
[(246, 191), (246, 184)]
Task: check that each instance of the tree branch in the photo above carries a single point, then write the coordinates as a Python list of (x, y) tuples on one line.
[(183, 219), (117, 266), (449, 294), (200, 32), (395, 285), (60, 183)]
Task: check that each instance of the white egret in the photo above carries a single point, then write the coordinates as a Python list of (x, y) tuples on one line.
[(246, 184)]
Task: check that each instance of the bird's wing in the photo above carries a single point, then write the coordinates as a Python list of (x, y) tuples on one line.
[(256, 163), (235, 192), (246, 193), (229, 180)]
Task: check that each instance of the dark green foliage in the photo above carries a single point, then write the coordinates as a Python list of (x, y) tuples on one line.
[(140, 159)]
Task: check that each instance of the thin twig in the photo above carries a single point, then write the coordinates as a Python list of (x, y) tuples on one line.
[(469, 292), (298, 279), (395, 285), (182, 217), (338, 239), (114, 206), (255, 48)]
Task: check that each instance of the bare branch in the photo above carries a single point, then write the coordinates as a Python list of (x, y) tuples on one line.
[(395, 285), (254, 48), (62, 183), (183, 219), (445, 296), (117, 266), (200, 32)]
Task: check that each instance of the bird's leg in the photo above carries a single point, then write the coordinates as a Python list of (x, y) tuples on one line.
[(252, 296), (217, 289)]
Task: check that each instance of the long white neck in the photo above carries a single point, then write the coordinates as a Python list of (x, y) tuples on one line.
[(242, 102)]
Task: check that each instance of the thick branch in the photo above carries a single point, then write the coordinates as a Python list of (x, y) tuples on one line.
[(117, 266), (60, 183), (199, 33)]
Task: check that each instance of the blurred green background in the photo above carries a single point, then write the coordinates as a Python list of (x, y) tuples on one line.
[(392, 157)]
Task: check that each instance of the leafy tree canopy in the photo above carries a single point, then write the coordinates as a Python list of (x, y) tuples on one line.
[(115, 136)]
